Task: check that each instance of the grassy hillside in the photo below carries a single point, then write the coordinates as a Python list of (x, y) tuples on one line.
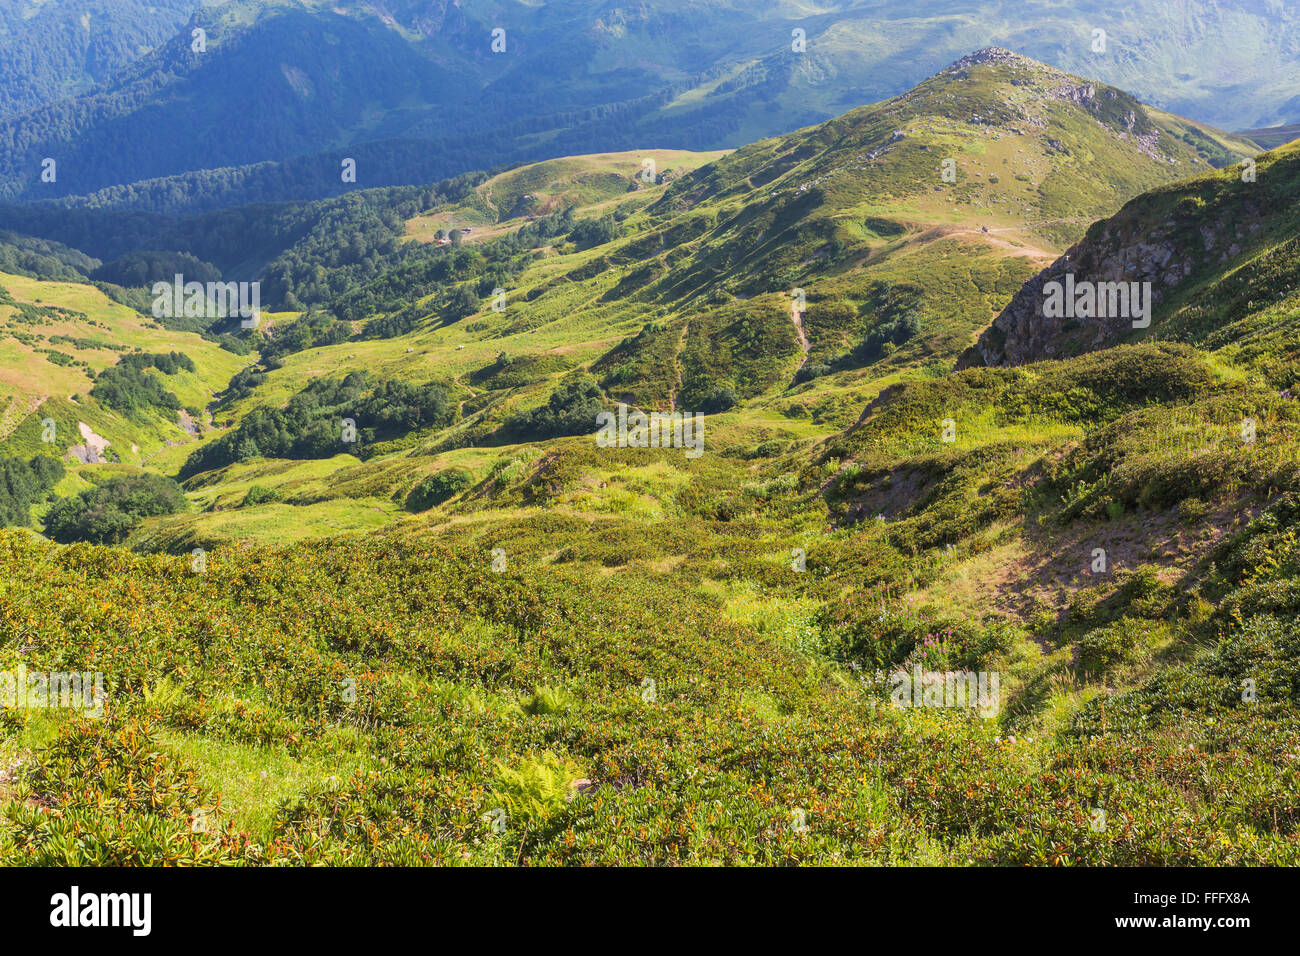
[(691, 290), (596, 184), (413, 611), (56, 338), (649, 678), (1220, 253), (668, 277)]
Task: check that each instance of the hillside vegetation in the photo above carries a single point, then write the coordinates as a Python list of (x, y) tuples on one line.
[(404, 606)]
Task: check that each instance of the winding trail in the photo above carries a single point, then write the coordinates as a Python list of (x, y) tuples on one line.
[(797, 316), (460, 407), (677, 361)]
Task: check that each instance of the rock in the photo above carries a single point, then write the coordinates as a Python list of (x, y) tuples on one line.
[(579, 786)]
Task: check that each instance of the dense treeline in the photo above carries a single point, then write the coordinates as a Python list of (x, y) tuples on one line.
[(304, 253), (22, 484), (48, 51), (43, 259), (106, 514), (241, 384), (344, 254), (314, 329), (460, 277), (238, 240), (305, 179), (571, 410), (144, 268), (350, 239), (424, 272), (327, 418), (127, 386), (593, 232)]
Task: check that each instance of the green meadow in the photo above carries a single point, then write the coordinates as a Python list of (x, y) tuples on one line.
[(410, 611)]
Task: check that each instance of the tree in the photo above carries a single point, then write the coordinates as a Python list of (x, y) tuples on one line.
[(109, 512), (719, 400), (22, 484), (436, 489), (571, 410), (462, 302)]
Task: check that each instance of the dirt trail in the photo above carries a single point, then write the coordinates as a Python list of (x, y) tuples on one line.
[(992, 236), (15, 413), (797, 316), (460, 408), (486, 193), (677, 362)]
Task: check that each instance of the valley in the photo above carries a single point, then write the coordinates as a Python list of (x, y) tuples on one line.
[(366, 588)]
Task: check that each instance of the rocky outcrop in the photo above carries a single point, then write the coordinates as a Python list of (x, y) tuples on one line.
[(92, 450), (1129, 248)]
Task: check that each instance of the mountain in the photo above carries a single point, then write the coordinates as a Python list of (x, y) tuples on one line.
[(366, 586), (54, 49), (415, 93), (1219, 252), (1272, 137), (789, 274), (896, 263), (1030, 174), (56, 340)]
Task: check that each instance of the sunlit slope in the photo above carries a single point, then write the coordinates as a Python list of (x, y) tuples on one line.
[(55, 337), (1219, 252), (592, 184), (803, 273), (649, 678)]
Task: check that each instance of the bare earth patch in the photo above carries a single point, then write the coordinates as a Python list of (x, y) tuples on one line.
[(1045, 566)]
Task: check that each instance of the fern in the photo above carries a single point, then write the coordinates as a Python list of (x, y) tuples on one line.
[(536, 789)]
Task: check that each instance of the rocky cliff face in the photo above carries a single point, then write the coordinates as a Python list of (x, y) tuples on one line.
[(1170, 238)]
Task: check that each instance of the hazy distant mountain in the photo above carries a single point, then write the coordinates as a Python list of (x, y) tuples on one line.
[(414, 91), (51, 49)]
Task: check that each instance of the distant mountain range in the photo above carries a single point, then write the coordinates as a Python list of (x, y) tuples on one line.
[(53, 49), (414, 91), (908, 225), (1271, 137)]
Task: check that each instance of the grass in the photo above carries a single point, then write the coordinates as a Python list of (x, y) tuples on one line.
[(255, 780), (33, 389), (686, 661)]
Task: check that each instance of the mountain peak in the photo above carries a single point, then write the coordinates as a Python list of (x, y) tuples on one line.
[(990, 54), (1008, 66)]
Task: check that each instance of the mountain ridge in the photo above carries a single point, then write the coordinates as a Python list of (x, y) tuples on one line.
[(420, 73), (1200, 235)]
